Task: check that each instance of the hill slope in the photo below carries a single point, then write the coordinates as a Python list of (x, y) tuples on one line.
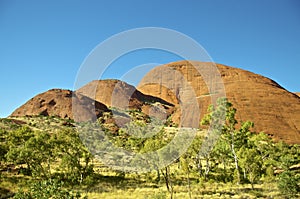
[(273, 109), (58, 102), (119, 94)]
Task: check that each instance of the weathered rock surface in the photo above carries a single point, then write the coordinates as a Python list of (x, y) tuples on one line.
[(58, 102), (119, 94), (273, 109)]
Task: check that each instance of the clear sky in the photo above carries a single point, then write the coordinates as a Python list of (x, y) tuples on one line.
[(43, 43)]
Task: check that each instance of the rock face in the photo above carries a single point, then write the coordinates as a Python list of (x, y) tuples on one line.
[(90, 101), (58, 102), (116, 93), (113, 93), (173, 89), (273, 109), (298, 93)]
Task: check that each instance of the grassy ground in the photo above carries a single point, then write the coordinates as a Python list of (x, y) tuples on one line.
[(133, 186), (144, 187), (206, 190)]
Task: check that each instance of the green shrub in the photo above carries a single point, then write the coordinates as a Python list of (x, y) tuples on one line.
[(288, 183), (47, 189)]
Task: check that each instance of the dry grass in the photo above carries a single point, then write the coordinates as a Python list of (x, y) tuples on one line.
[(208, 191)]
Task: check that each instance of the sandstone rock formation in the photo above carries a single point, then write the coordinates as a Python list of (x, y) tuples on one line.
[(174, 89), (112, 93), (58, 102), (273, 109), (119, 94)]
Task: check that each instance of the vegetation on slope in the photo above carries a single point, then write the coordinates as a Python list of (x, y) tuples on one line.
[(43, 157)]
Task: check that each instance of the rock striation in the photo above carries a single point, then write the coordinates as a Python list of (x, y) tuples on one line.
[(273, 109)]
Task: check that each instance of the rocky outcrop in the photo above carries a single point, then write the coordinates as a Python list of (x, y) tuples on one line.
[(172, 89), (62, 103), (273, 109), (119, 94)]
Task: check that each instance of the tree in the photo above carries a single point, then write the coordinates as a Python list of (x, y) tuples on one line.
[(169, 184), (215, 120), (231, 134), (18, 152), (221, 155), (35, 149), (227, 128), (222, 120), (75, 157), (39, 151), (287, 161), (185, 161), (153, 144), (251, 163)]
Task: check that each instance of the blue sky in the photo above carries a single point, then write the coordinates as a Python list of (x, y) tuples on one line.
[(43, 43)]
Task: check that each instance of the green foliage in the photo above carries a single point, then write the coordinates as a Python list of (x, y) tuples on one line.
[(251, 164), (19, 150), (47, 189), (288, 183), (136, 134), (222, 119), (3, 145), (45, 155), (228, 154), (75, 157), (251, 155)]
